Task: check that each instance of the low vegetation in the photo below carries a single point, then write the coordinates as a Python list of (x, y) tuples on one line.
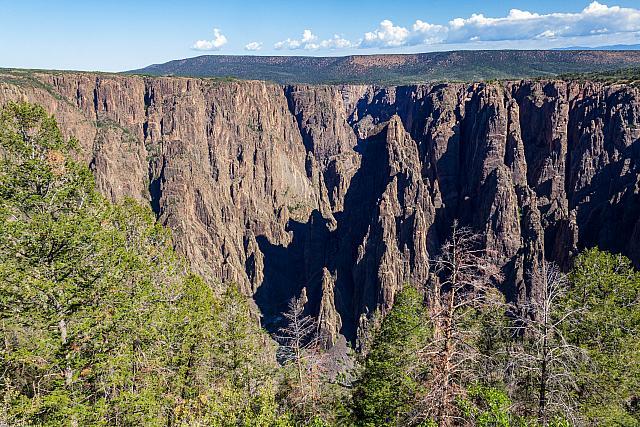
[(467, 66), (626, 76), (103, 323)]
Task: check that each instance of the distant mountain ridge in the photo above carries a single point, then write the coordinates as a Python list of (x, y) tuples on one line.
[(610, 47), (397, 69)]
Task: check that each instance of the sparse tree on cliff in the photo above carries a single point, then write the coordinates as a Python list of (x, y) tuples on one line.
[(545, 361), (459, 294), (300, 350)]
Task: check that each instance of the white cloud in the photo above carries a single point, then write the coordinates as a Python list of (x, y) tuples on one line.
[(596, 18), (385, 36), (253, 46), (388, 35), (594, 22), (306, 42), (337, 42), (287, 44), (309, 41), (425, 33), (308, 36), (547, 34), (218, 41)]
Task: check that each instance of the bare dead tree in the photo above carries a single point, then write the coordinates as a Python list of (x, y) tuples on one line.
[(544, 362), (300, 348), (460, 288)]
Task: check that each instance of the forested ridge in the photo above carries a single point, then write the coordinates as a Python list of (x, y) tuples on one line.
[(464, 65), (103, 323)]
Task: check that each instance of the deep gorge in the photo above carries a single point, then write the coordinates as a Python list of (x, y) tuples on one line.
[(348, 191)]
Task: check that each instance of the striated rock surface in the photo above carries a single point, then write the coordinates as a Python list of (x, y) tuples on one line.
[(346, 192)]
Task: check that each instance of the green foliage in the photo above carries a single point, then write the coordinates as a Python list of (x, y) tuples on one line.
[(385, 390), (488, 407), (606, 290), (492, 337), (51, 244), (102, 323), (628, 76)]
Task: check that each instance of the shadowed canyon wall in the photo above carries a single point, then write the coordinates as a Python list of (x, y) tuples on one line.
[(348, 191)]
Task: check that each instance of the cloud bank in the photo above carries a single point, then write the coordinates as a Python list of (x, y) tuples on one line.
[(595, 19), (310, 41)]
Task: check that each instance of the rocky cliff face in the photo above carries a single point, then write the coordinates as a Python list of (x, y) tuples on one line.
[(346, 192)]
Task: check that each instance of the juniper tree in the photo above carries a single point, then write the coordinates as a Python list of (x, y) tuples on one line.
[(605, 289), (53, 256)]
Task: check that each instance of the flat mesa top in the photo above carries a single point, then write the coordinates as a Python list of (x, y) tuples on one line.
[(397, 69)]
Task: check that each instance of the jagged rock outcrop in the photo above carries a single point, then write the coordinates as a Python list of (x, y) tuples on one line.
[(329, 321), (346, 192)]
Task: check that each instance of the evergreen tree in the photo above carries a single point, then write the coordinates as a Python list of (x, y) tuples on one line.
[(487, 407), (102, 322), (53, 256), (606, 290), (386, 389)]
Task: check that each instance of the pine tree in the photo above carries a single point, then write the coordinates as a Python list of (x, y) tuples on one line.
[(605, 289), (102, 322), (386, 389)]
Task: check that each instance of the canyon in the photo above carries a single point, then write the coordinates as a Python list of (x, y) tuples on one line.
[(344, 193)]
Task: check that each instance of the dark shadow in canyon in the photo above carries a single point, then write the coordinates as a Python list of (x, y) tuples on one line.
[(284, 270), (467, 195), (314, 246)]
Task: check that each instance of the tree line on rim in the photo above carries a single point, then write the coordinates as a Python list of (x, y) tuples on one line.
[(104, 324)]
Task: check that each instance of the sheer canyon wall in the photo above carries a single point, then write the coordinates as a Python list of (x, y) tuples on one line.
[(348, 191)]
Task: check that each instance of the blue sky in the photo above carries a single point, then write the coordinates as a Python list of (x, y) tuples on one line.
[(121, 35)]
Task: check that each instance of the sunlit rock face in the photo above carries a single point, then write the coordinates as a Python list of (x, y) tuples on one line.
[(344, 193)]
